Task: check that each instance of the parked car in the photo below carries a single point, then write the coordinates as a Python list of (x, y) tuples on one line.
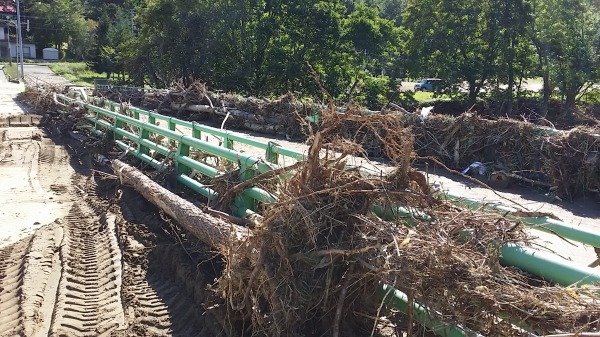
[(430, 84)]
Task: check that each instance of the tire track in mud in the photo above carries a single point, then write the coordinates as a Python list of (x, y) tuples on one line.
[(13, 265), (106, 269), (89, 295), (163, 288), (65, 280), (29, 272)]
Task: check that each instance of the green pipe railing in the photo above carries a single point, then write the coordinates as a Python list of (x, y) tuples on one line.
[(242, 206), (399, 300), (548, 266), (198, 129), (546, 224), (541, 223), (555, 266)]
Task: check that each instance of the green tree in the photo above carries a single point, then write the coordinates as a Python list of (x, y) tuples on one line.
[(114, 35), (513, 52), (454, 40), (62, 24), (375, 45), (264, 47), (566, 34)]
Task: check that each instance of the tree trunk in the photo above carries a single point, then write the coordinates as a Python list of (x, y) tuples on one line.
[(569, 105), (546, 90), (473, 91), (511, 77), (213, 231)]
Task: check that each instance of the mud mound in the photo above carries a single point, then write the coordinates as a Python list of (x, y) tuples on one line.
[(166, 274), (95, 273)]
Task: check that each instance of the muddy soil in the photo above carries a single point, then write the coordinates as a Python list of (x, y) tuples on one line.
[(108, 265)]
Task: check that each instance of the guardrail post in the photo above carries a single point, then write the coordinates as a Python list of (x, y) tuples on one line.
[(196, 133), (228, 143), (144, 134), (271, 154), (172, 124), (246, 172), (183, 150), (242, 203), (118, 125), (96, 120)]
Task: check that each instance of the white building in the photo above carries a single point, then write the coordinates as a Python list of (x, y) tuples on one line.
[(8, 42)]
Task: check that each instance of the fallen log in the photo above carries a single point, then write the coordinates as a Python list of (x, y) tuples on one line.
[(192, 107), (211, 230)]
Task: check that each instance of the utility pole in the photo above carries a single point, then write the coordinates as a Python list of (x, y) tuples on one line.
[(19, 40), (9, 48)]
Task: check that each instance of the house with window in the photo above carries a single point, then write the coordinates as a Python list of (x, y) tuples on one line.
[(8, 35)]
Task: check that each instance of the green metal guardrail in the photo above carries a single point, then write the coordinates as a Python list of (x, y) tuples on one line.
[(542, 264), (273, 151), (543, 223), (246, 203)]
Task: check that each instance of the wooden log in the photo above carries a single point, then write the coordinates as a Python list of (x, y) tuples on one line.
[(192, 107), (213, 231)]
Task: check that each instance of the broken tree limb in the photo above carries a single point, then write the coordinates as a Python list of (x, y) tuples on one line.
[(211, 230)]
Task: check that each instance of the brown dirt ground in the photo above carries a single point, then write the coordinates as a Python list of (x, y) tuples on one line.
[(100, 260)]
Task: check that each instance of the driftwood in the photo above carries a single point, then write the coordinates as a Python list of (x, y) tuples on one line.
[(192, 107), (211, 230)]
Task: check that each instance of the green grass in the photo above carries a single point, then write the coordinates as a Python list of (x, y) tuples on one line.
[(77, 72), (428, 97), (10, 71), (423, 96)]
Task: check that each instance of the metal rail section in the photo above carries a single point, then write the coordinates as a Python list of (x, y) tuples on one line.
[(133, 135), (273, 151), (542, 223)]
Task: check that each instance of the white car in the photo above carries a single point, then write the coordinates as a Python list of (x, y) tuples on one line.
[(430, 84)]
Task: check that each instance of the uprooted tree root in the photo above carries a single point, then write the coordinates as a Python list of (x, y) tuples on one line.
[(313, 264)]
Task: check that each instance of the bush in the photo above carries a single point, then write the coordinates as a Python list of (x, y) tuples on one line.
[(373, 92)]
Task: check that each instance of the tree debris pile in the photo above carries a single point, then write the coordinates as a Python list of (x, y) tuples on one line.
[(312, 266), (567, 162), (195, 102), (40, 98)]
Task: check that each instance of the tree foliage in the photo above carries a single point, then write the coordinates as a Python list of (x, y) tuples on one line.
[(358, 48), (63, 25)]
